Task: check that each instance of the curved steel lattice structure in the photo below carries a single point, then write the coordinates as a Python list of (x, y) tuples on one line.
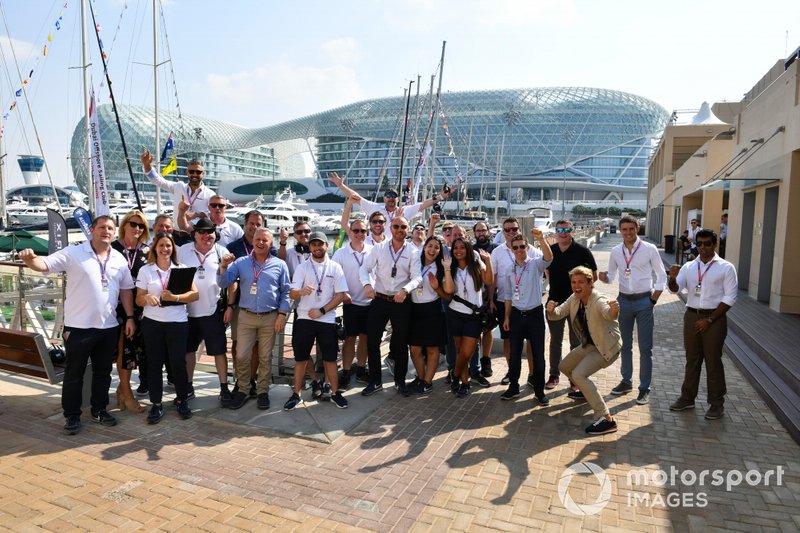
[(598, 139)]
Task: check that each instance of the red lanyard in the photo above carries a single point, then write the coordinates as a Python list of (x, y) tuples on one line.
[(202, 258), (517, 279), (128, 258), (192, 197), (164, 281), (102, 264), (257, 274), (701, 276), (627, 260)]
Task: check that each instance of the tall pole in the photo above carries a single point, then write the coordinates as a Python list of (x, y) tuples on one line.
[(403, 146), (155, 104), (436, 115), (85, 67), (567, 138), (3, 221)]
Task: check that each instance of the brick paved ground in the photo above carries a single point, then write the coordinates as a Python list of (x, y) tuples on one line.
[(414, 464)]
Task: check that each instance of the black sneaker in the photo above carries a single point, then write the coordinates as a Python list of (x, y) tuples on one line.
[(225, 397), (371, 389), (316, 390), (344, 379), (463, 390), (506, 380), (486, 366), (253, 391), (449, 377), (415, 387), (293, 402), (339, 400), (238, 400), (190, 392), (454, 386), (531, 382), (681, 405), (643, 398), (602, 427), (361, 375), (425, 387), (576, 395), (326, 392), (142, 389), (511, 393), (542, 399), (156, 414), (622, 388), (73, 425), (402, 389), (480, 380), (102, 417), (263, 401), (184, 411), (715, 412)]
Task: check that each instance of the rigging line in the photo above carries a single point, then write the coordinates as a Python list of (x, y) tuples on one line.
[(171, 69), (30, 110), (117, 29), (17, 116)]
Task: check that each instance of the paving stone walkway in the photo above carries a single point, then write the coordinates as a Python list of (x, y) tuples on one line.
[(413, 464)]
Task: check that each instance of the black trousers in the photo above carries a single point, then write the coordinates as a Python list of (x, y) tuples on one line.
[(382, 312), (530, 327), (81, 346), (164, 340)]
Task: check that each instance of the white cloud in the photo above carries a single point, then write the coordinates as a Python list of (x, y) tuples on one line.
[(274, 93), (24, 51), (341, 51)]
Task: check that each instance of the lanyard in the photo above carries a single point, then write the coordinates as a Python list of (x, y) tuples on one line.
[(164, 281), (425, 272), (257, 274), (399, 254), (201, 258), (192, 197), (701, 276), (463, 280), (359, 257), (320, 279), (628, 260), (130, 259), (102, 264), (244, 245), (517, 279)]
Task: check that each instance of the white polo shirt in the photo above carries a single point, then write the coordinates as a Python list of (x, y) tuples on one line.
[(351, 262), (327, 278), (208, 284), (87, 305), (465, 288), (427, 294), (229, 231), (150, 281), (502, 264)]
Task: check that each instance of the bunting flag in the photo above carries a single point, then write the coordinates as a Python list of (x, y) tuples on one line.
[(84, 220), (169, 151), (101, 204), (450, 142)]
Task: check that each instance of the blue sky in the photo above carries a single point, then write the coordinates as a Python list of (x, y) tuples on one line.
[(257, 63)]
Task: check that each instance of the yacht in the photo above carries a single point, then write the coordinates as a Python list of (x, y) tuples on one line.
[(284, 211)]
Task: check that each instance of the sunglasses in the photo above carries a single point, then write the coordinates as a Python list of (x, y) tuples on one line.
[(509, 230), (563, 230), (205, 231), (399, 226), (137, 225), (218, 206), (519, 247), (448, 229), (377, 221), (704, 243), (390, 195), (358, 230), (302, 232), (191, 172)]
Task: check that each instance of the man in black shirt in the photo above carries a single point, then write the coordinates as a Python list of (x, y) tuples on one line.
[(567, 254)]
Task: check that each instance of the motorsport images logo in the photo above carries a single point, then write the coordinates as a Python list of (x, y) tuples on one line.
[(583, 469)]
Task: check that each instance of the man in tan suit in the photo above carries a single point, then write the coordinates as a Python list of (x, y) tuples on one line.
[(594, 318)]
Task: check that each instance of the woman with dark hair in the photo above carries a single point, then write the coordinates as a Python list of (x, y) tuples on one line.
[(165, 328), (463, 320), (427, 318), (131, 238)]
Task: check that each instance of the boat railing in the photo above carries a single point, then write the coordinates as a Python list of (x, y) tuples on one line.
[(31, 301)]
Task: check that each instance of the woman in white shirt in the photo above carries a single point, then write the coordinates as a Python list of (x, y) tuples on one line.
[(165, 328), (463, 320), (427, 318)]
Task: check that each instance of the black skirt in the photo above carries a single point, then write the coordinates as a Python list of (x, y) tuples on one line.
[(427, 324)]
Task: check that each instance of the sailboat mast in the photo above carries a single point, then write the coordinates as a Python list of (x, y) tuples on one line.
[(85, 68), (3, 221), (155, 105), (435, 119), (403, 146)]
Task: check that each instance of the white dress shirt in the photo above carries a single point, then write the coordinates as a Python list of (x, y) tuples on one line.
[(382, 259), (150, 281), (427, 294), (719, 285), (327, 278), (198, 201), (644, 262), (351, 262), (502, 263), (407, 211)]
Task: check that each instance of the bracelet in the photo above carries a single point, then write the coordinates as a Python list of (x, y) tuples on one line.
[(282, 244), (177, 297), (130, 318), (282, 313)]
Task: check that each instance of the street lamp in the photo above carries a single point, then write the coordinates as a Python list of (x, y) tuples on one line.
[(568, 136)]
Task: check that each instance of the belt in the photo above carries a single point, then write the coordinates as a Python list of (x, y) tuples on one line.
[(387, 297), (258, 314), (528, 311), (700, 311), (634, 296)]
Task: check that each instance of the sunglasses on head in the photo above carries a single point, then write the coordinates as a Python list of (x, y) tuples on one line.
[(205, 231), (563, 230), (377, 221), (302, 232), (218, 206), (137, 225), (704, 243), (192, 171), (390, 195), (358, 230), (509, 230), (400, 226), (519, 247)]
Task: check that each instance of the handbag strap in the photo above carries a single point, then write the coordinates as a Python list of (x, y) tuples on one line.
[(475, 309)]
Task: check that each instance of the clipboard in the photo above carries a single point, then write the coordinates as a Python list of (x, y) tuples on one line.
[(180, 281)]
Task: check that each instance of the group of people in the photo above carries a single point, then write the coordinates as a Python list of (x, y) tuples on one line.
[(442, 293)]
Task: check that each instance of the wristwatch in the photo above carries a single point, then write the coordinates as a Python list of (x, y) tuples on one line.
[(710, 320), (322, 310)]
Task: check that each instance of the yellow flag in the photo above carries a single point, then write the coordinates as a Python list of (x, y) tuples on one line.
[(50, 37), (171, 167)]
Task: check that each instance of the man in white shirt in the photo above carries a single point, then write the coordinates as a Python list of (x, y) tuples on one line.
[(301, 250), (99, 279), (194, 192), (635, 261), (389, 207), (227, 229), (712, 288), (396, 272)]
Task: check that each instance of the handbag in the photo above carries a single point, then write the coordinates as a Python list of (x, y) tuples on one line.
[(487, 318)]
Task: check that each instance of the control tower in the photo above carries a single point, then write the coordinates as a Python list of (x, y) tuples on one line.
[(31, 166)]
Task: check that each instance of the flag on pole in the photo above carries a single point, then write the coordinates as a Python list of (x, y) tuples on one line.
[(340, 239), (169, 151), (101, 206)]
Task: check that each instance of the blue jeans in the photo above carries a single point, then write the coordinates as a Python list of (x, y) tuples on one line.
[(641, 312)]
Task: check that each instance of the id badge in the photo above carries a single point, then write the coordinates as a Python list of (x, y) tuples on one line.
[(697, 290), (627, 273), (394, 271), (104, 282), (319, 295), (516, 294), (201, 273), (419, 290), (253, 289)]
